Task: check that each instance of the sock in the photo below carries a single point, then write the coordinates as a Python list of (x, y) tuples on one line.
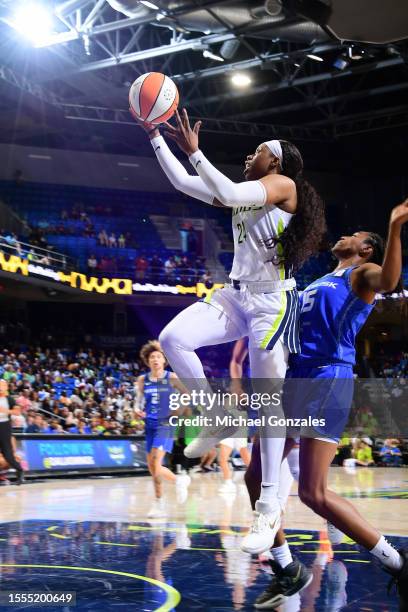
[(292, 604), (293, 463), (228, 481), (387, 554), (282, 554), (285, 484), (269, 493), (271, 459)]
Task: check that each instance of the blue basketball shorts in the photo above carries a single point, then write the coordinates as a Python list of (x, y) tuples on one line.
[(160, 437), (317, 400)]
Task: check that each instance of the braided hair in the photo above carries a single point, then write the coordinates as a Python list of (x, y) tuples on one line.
[(306, 233)]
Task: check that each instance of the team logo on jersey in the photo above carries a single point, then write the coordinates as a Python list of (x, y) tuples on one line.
[(325, 284), (244, 209)]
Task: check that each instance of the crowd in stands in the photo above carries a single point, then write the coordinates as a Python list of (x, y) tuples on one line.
[(186, 268), (176, 269), (391, 366), (60, 391), (362, 450), (78, 222), (111, 240), (34, 248)]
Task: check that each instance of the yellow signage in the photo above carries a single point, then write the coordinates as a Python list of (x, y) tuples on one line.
[(118, 286)]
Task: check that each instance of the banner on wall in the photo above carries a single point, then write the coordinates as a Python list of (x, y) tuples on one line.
[(62, 453), (118, 286), (83, 282)]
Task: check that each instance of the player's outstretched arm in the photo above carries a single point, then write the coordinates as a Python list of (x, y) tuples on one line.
[(172, 168), (385, 278), (228, 193)]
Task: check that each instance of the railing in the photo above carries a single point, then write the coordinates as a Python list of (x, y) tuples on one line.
[(37, 255), (150, 276)]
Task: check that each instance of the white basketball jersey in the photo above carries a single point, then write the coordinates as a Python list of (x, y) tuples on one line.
[(254, 230)]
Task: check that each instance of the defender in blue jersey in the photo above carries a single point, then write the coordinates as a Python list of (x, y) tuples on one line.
[(320, 384), (153, 404)]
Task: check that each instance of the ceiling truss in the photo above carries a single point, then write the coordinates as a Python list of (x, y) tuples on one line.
[(98, 43)]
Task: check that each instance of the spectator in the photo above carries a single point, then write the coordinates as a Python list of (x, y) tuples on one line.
[(53, 427), (390, 453), (364, 453), (104, 264), (92, 264), (141, 267), (169, 268), (156, 268), (207, 279), (23, 400), (35, 425), (103, 238), (367, 421)]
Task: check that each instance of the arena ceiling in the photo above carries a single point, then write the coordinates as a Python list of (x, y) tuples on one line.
[(320, 70)]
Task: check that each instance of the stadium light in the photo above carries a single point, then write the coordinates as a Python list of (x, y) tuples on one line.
[(316, 58), (33, 21), (150, 5), (210, 55), (240, 80)]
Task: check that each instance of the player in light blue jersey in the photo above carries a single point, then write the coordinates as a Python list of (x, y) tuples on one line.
[(319, 384), (153, 404)]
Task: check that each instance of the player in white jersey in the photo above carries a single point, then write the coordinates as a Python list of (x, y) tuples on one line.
[(278, 222)]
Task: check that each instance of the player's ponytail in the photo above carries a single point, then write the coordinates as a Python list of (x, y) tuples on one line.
[(306, 233)]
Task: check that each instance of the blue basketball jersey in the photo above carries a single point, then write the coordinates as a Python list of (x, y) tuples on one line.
[(331, 315), (157, 398)]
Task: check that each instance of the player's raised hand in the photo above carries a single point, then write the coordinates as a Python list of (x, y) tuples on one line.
[(150, 129), (185, 136), (399, 214)]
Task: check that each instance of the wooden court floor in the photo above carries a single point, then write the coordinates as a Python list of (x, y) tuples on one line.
[(92, 536), (380, 494)]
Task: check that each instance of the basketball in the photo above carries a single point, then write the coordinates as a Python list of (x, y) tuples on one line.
[(154, 97)]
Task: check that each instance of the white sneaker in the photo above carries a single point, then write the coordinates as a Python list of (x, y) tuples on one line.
[(335, 535), (182, 483), (227, 487), (262, 534), (207, 439), (157, 510), (183, 541)]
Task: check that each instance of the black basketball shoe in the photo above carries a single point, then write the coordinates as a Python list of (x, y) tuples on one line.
[(286, 582), (400, 580)]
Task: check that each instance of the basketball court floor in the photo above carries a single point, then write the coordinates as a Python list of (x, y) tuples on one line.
[(92, 537)]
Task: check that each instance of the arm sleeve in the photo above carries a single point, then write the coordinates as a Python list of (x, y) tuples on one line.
[(178, 175), (249, 193)]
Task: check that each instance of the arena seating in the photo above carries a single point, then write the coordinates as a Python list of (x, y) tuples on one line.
[(55, 210), (121, 212)]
